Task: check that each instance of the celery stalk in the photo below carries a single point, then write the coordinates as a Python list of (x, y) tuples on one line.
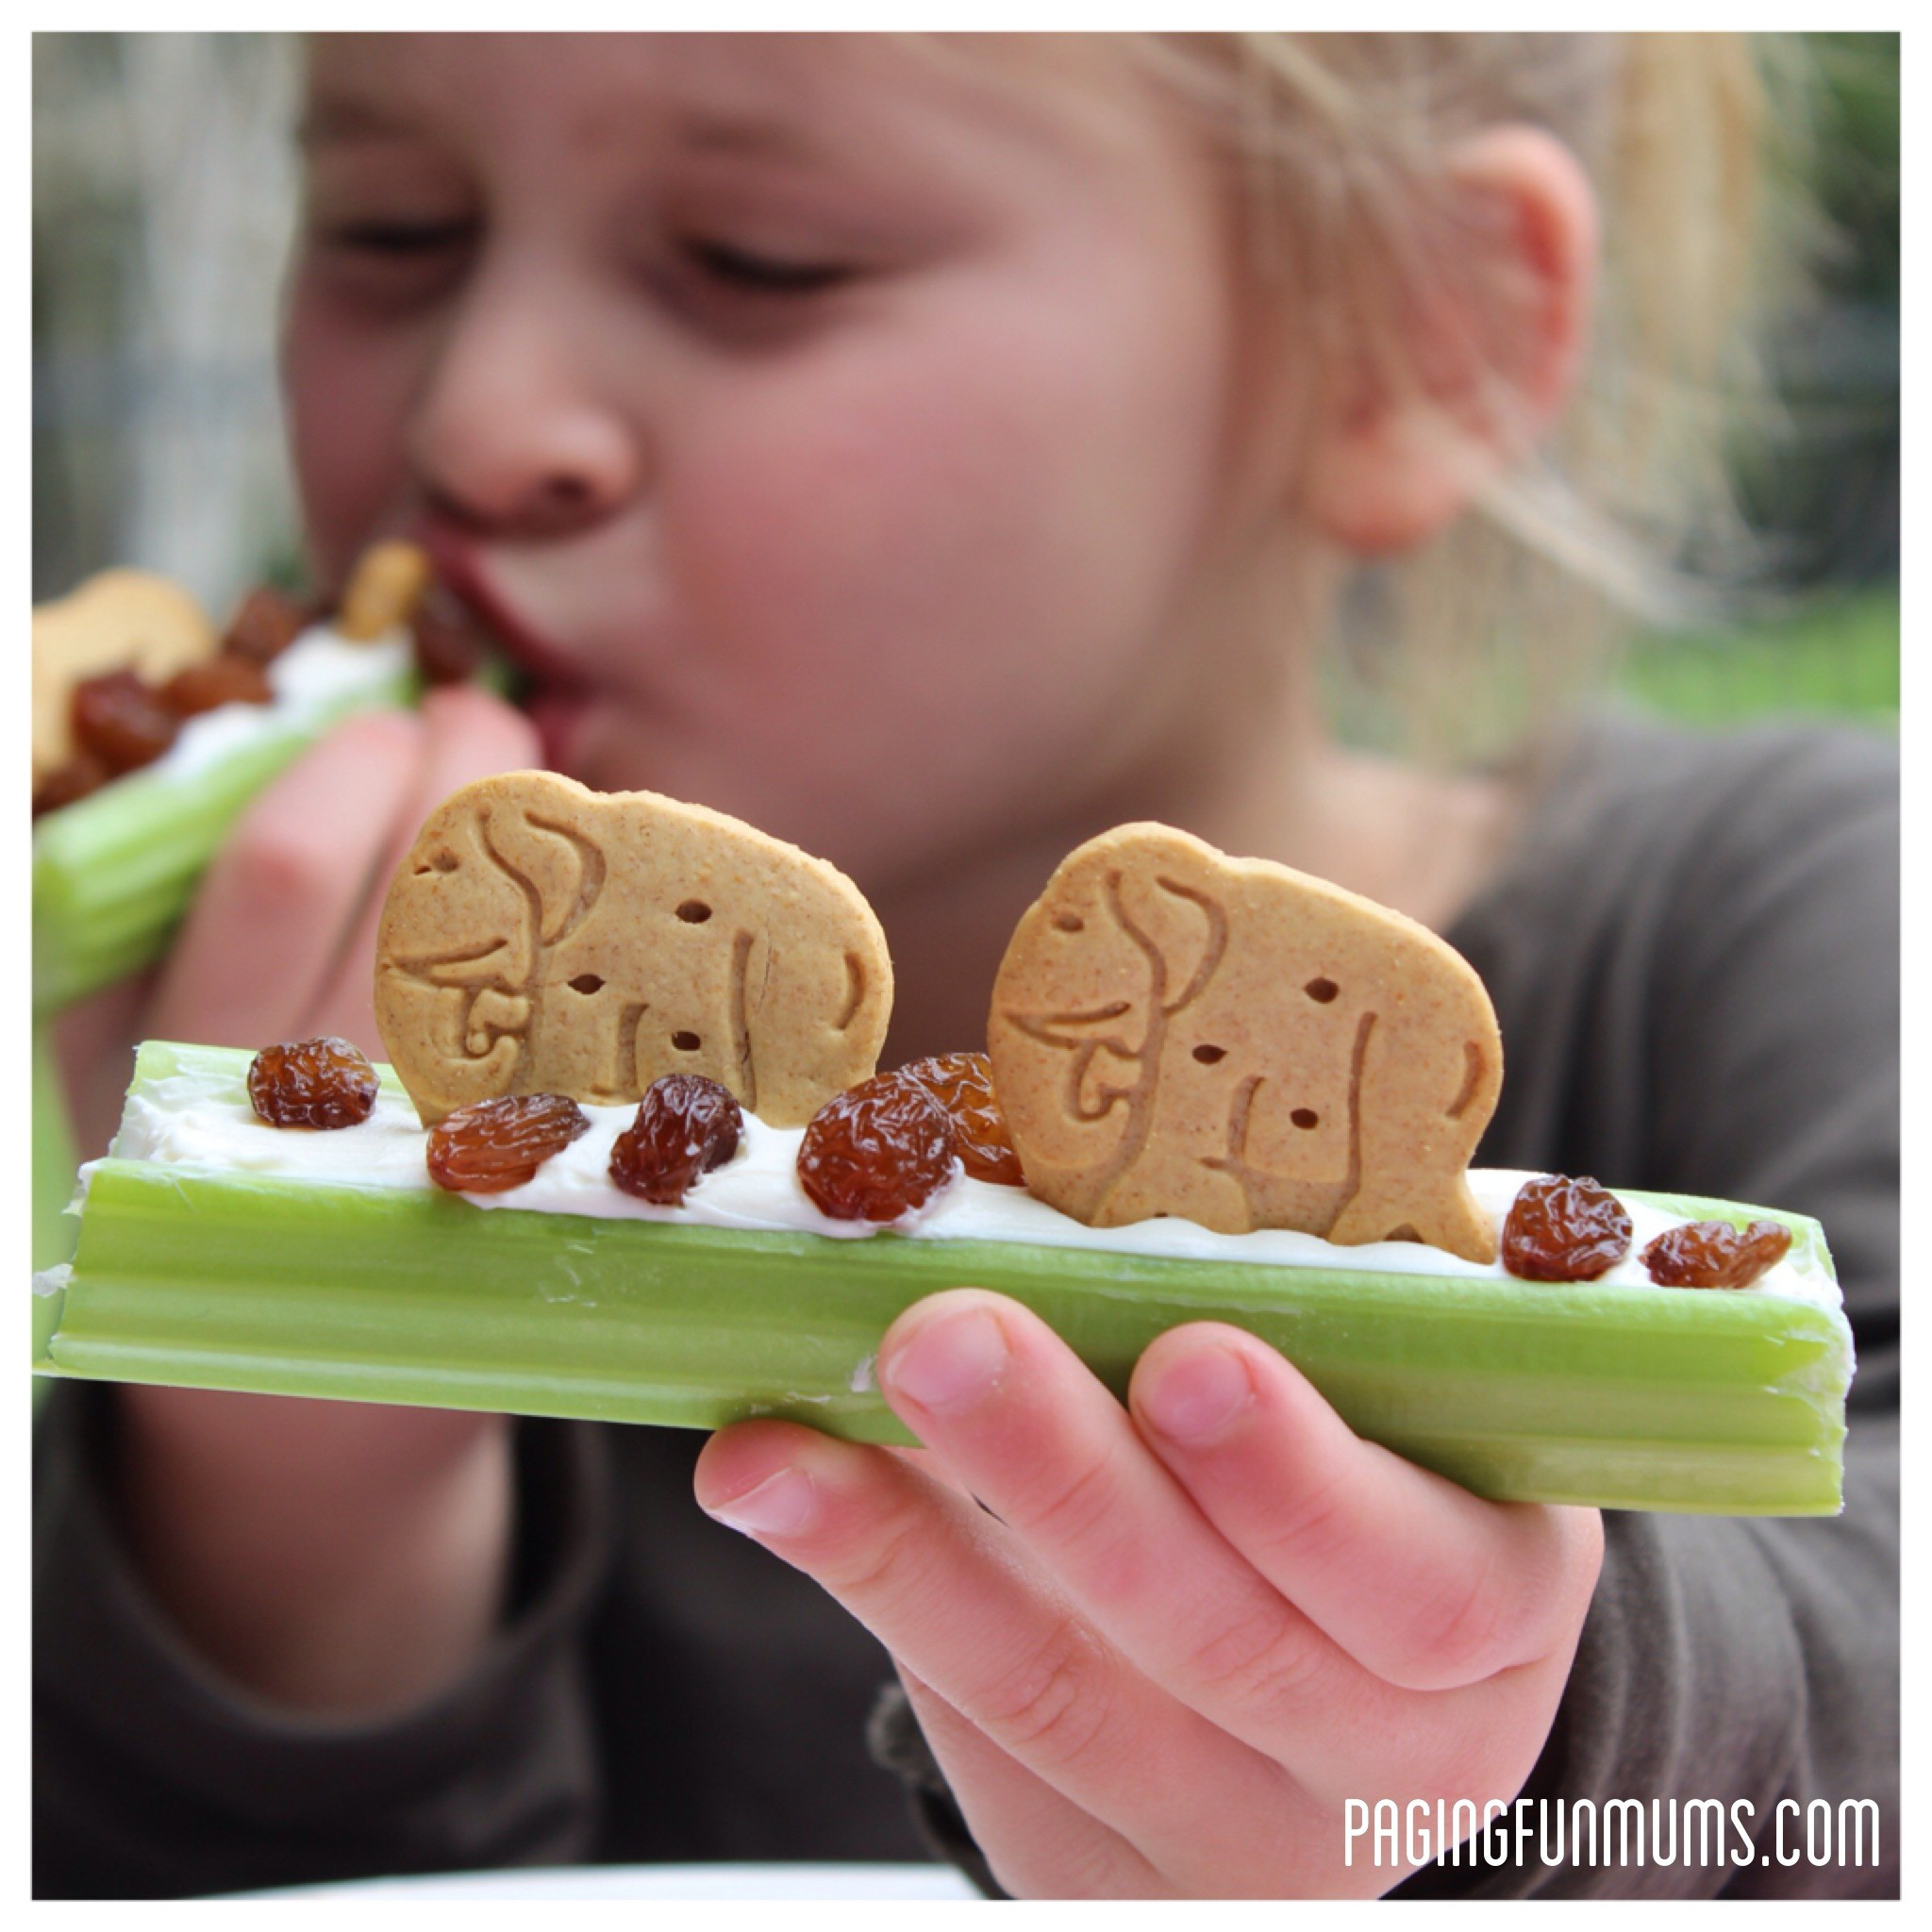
[(1625, 1397), (52, 1178), (114, 873), (53, 1155)]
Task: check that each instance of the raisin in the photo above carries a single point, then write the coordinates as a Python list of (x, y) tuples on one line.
[(962, 1084), (311, 1083), (1564, 1230), (685, 1126), (1713, 1253), (494, 1146), (66, 783), (214, 682), (266, 623), (448, 643), (120, 721), (876, 1151)]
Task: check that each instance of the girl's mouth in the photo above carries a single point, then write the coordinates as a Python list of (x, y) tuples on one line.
[(555, 711), (552, 691)]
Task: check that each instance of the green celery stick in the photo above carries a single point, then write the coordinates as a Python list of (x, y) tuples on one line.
[(53, 1177), (53, 1155), (1627, 1397), (114, 872)]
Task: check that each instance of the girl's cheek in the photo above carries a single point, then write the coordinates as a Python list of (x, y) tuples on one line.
[(939, 518), (847, 489), (346, 394)]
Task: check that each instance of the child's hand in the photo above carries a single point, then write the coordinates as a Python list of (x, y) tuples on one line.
[(1183, 1637), (329, 1555), (280, 943)]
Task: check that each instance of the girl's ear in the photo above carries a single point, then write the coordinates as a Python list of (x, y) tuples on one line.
[(1484, 357)]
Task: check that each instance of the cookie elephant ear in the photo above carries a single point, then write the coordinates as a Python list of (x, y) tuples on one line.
[(560, 868), (455, 960), (1129, 933), (1177, 920)]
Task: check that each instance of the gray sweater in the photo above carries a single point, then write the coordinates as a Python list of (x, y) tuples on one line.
[(1693, 954)]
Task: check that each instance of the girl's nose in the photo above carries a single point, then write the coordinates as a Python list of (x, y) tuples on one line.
[(511, 435)]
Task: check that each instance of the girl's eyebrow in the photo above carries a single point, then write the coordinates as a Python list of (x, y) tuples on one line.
[(766, 136), (760, 134), (340, 118)]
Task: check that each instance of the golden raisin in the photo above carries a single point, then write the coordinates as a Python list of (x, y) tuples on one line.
[(1564, 1230), (962, 1084), (685, 1126), (1713, 1253), (876, 1151), (120, 721), (311, 1083), (494, 1146), (263, 626), (214, 682)]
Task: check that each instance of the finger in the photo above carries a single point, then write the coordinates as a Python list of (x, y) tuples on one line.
[(467, 735), (1037, 1843), (987, 1384), (930, 1466), (944, 1589), (266, 925), (1422, 1583)]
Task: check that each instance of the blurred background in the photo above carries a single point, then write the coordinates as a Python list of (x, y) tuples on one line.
[(164, 189), (164, 193)]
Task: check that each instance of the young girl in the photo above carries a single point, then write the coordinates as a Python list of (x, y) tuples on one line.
[(934, 452)]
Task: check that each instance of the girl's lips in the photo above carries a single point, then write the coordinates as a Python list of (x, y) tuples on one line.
[(555, 711), (463, 574)]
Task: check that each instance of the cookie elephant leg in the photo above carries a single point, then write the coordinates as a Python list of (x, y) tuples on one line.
[(1446, 1216), (1153, 1188)]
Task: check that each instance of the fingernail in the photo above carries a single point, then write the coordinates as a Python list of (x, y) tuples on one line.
[(782, 1505), (1198, 1398), (950, 1363)]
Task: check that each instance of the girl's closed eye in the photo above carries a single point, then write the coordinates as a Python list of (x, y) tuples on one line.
[(748, 293), (401, 237), (383, 261), (757, 272)]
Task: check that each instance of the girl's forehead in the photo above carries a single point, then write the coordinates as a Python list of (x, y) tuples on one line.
[(782, 93)]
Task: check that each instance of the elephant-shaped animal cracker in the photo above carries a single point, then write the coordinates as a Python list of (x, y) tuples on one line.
[(1177, 1032), (541, 938)]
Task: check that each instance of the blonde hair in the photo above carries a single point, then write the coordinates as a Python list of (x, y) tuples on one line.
[(1468, 648)]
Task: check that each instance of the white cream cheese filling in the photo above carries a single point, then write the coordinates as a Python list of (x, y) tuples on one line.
[(317, 673), (203, 1123)]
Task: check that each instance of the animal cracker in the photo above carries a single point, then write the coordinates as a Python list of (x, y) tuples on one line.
[(1177, 1032), (120, 620), (384, 589), (541, 938)]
